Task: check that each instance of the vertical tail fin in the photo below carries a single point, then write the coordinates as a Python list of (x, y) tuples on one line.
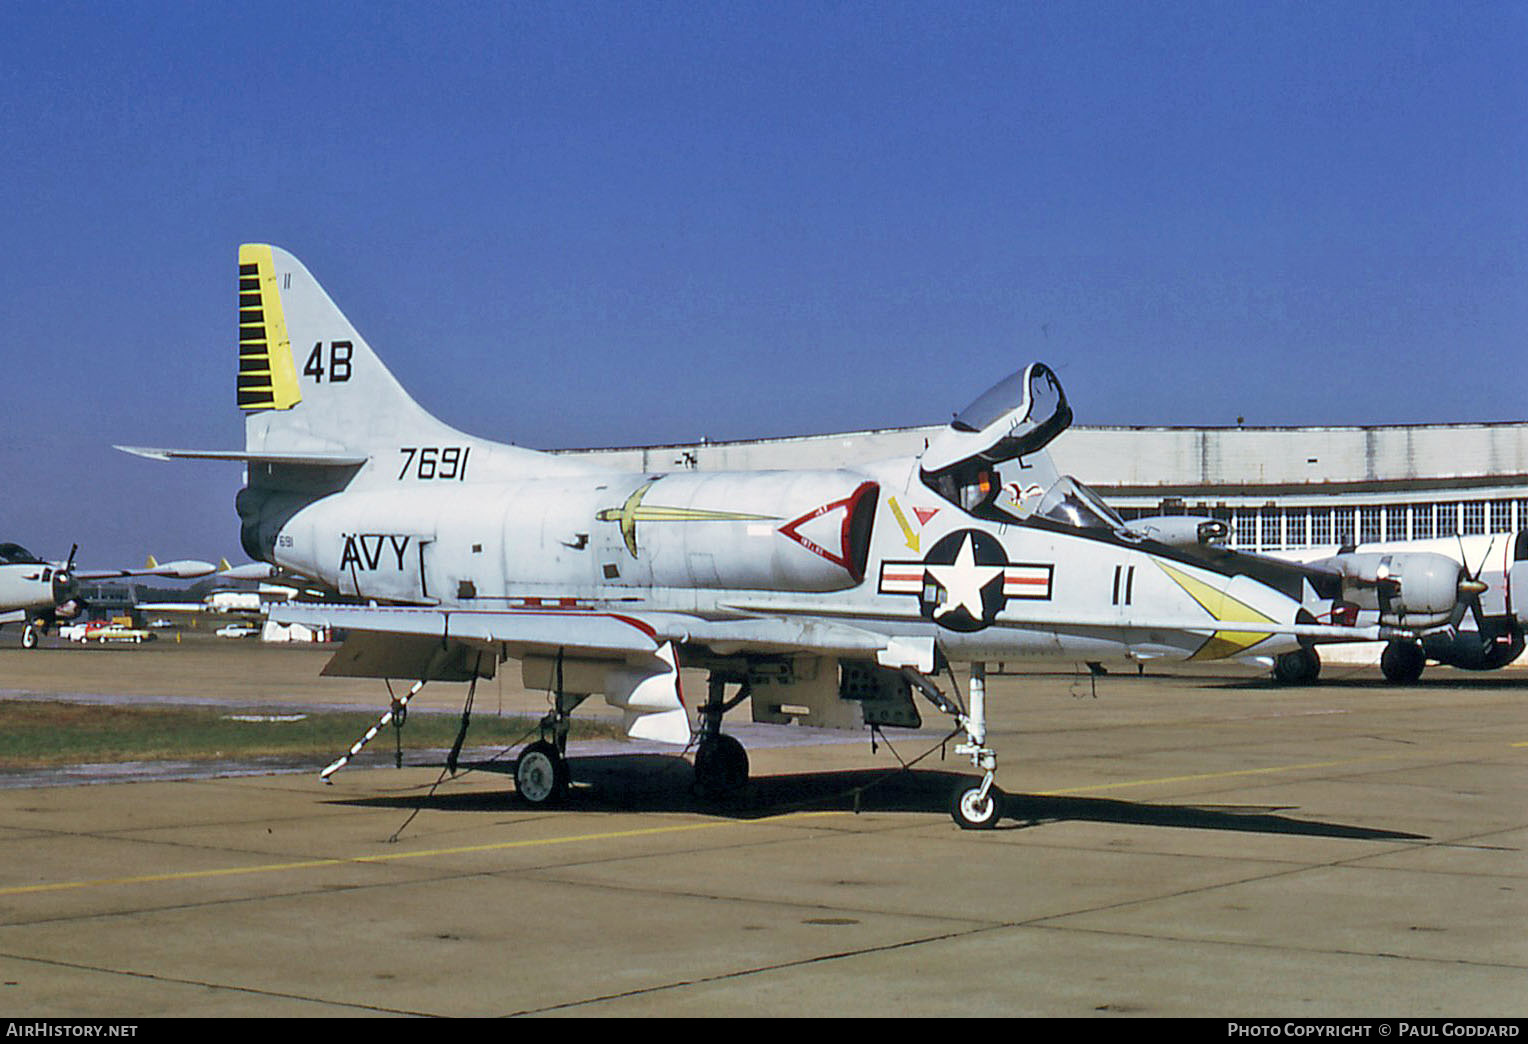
[(308, 381)]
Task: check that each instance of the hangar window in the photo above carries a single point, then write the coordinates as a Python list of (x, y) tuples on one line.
[(1421, 521), (1369, 525), (1395, 522), (1474, 518), (1342, 526), (1501, 516), (1246, 527), (1272, 529), (1448, 519), (1294, 527), (1320, 526)]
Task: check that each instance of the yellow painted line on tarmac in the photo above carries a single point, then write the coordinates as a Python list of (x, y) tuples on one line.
[(392, 857), (1235, 773), (1197, 777)]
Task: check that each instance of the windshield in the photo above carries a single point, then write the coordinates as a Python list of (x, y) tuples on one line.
[(1072, 504), (15, 554)]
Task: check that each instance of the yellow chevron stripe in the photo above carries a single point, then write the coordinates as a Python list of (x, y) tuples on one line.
[(1222, 607)]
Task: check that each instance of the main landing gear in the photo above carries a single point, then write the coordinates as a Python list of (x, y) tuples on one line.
[(721, 763), (542, 776), (1301, 667), (1402, 662)]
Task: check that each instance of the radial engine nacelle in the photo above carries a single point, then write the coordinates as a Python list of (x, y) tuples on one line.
[(1411, 589)]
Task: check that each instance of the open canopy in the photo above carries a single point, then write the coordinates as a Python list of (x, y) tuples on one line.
[(991, 460), (1016, 416)]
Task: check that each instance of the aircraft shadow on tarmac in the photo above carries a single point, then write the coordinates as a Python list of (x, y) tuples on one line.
[(662, 783)]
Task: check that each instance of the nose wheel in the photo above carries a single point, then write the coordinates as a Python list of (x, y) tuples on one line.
[(978, 807)]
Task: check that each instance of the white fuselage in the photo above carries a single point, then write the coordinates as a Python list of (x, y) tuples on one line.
[(27, 587), (873, 548)]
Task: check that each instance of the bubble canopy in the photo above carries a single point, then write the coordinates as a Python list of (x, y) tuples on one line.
[(1020, 414), (991, 460)]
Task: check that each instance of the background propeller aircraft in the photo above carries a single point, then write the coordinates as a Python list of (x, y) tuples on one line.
[(1461, 601), (40, 594), (828, 595)]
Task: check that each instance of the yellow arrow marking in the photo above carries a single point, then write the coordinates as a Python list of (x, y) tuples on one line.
[(913, 540)]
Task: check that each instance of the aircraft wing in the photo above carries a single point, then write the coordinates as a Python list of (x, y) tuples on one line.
[(629, 656), (596, 631), (182, 569)]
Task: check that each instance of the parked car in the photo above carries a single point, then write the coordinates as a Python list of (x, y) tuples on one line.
[(238, 630), (118, 633)]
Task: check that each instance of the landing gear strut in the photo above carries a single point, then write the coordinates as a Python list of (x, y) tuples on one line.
[(721, 763), (976, 807), (542, 776)]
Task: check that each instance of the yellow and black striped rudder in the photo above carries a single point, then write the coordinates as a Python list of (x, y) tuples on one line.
[(267, 375)]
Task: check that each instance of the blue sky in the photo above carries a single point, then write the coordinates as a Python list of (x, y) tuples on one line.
[(624, 223)]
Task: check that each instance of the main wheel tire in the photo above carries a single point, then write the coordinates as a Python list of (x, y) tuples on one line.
[(541, 775), (972, 812), (1301, 667), (721, 766), (29, 637), (1402, 663)]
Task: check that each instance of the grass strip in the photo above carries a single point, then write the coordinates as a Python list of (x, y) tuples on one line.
[(44, 734)]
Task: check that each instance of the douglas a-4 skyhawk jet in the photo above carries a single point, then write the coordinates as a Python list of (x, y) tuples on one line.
[(834, 595)]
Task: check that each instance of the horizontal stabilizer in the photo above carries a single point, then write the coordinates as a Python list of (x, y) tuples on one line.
[(331, 460)]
